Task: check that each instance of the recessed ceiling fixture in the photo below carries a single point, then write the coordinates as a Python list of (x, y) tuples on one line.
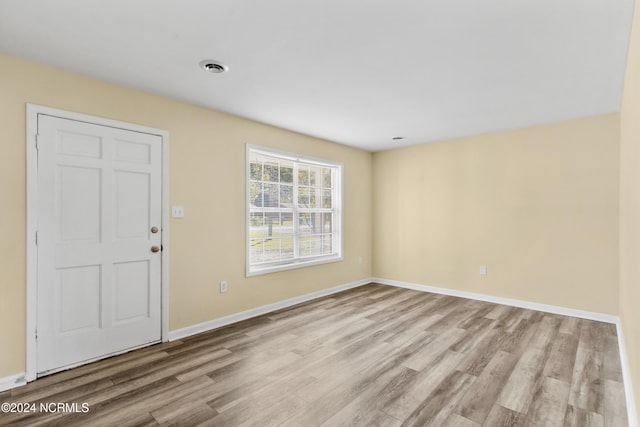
[(213, 66), (397, 138)]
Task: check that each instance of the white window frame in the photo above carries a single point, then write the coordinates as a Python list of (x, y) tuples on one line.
[(337, 231)]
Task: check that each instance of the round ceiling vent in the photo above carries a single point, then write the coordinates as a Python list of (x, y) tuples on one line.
[(213, 66)]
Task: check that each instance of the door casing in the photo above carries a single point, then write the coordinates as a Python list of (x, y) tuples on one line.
[(32, 220)]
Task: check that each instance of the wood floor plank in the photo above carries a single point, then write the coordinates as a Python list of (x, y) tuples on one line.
[(612, 368), (549, 404), (614, 409), (437, 406), (587, 386), (456, 420), (500, 416), (498, 311), (476, 332), (402, 404), (356, 411), (196, 416), (570, 326), (412, 332), (484, 392), (577, 417), (437, 347), (374, 355), (277, 414), (524, 381), (562, 358), (333, 402)]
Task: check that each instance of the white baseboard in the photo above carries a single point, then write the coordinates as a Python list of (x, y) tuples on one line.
[(632, 414), (12, 381), (237, 317), (583, 314)]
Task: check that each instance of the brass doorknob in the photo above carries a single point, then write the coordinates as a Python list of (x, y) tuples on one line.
[(155, 249), (154, 229)]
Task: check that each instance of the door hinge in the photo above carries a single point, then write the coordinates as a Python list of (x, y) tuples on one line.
[(36, 238), (37, 141), (36, 335)]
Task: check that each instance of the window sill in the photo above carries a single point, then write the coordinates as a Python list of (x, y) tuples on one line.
[(257, 271)]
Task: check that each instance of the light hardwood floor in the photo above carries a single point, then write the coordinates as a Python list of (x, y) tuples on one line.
[(370, 356)]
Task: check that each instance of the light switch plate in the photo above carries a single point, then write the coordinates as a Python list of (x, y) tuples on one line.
[(177, 211)]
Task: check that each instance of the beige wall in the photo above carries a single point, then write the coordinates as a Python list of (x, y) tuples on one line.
[(630, 207), (537, 206), (207, 155)]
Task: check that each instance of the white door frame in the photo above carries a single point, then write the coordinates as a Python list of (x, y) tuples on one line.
[(32, 219)]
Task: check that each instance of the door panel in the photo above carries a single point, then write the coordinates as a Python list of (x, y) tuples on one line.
[(132, 289), (80, 195), (78, 290), (131, 205), (99, 283)]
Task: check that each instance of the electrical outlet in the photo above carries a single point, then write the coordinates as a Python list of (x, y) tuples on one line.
[(224, 286), (483, 270)]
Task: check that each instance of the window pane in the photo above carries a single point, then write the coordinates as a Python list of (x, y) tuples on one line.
[(326, 177), (327, 222), (313, 197), (303, 197), (310, 223), (255, 194), (286, 196), (286, 173), (326, 199), (286, 219), (271, 237), (313, 175), (256, 253), (311, 245), (271, 195), (286, 248), (303, 175), (265, 250), (271, 172), (256, 226), (327, 244), (256, 170)]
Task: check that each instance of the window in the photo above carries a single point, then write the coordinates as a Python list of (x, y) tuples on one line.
[(294, 211)]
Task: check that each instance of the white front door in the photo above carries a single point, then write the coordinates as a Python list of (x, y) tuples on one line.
[(99, 223)]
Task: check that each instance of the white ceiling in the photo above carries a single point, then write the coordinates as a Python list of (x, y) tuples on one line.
[(357, 72)]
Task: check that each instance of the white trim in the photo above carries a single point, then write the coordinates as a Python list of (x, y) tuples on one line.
[(291, 265), (632, 414), (294, 157), (258, 311), (12, 381), (165, 236), (32, 219), (583, 314), (32, 249)]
